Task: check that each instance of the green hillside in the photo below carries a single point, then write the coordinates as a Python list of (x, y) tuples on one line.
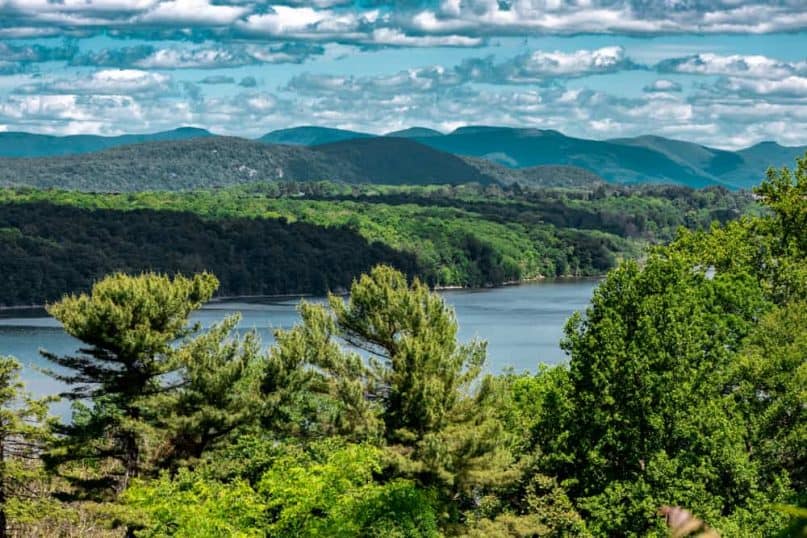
[(224, 161), (311, 237)]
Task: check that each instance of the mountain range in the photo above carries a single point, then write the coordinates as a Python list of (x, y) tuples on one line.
[(190, 157)]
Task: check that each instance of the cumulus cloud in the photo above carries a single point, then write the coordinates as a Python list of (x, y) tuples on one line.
[(517, 17), (541, 66), (735, 65), (790, 89), (17, 58), (403, 23), (189, 12), (206, 57), (663, 86), (537, 67), (105, 82)]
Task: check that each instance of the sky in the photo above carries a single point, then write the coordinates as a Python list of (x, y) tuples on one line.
[(724, 73)]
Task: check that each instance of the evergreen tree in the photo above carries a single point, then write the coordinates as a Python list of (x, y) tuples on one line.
[(419, 393), (217, 393), (128, 325)]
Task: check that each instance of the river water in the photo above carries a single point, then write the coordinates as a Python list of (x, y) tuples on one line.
[(522, 324)]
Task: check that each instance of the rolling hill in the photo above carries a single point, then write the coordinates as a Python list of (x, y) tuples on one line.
[(223, 161), (642, 159), (415, 132), (742, 169), (615, 161), (310, 136)]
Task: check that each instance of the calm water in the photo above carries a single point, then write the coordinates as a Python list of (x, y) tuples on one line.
[(522, 325)]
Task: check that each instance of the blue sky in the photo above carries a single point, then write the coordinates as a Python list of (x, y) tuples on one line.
[(726, 73)]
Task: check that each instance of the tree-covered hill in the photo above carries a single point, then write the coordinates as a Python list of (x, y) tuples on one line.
[(47, 250), (54, 241), (222, 161)]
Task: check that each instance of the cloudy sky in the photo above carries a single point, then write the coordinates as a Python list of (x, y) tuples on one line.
[(727, 73)]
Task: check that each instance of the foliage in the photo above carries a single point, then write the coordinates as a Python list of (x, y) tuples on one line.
[(311, 238), (187, 506), (128, 325), (24, 434), (684, 388), (217, 393), (420, 393), (326, 491)]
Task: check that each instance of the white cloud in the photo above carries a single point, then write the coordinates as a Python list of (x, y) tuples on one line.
[(790, 88), (193, 12), (179, 59), (105, 82), (735, 65), (395, 37), (663, 86), (540, 65), (399, 22)]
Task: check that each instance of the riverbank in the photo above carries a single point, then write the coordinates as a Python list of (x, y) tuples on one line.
[(7, 309)]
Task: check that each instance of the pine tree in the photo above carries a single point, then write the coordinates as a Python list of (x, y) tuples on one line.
[(420, 393), (128, 325), (217, 393)]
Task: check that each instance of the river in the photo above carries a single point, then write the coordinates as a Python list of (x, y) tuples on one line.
[(522, 324)]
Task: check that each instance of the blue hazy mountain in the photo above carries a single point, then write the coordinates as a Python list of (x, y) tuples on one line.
[(311, 136), (19, 144), (414, 132), (616, 161)]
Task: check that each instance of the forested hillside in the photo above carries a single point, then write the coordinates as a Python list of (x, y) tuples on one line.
[(313, 237), (683, 394), (222, 161)]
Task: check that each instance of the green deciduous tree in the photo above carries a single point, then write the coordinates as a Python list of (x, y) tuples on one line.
[(24, 433), (650, 425), (768, 383), (327, 489), (330, 491)]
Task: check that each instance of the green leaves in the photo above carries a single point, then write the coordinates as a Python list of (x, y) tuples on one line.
[(135, 318), (24, 434), (327, 489)]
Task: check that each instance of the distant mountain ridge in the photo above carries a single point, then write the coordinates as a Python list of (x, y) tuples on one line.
[(310, 135), (20, 144), (628, 160), (532, 152)]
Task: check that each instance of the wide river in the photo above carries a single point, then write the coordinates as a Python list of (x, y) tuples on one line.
[(522, 324)]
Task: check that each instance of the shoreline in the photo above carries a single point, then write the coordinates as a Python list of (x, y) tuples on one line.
[(282, 296)]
